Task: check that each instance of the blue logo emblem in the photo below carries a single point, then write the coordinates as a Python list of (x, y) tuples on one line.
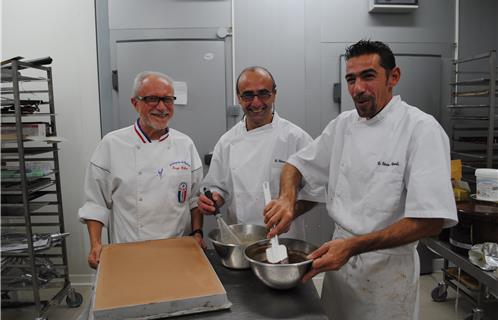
[(182, 192)]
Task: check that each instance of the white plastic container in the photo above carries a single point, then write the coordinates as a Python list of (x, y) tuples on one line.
[(487, 184)]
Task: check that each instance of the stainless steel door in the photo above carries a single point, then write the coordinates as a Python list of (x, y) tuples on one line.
[(199, 63)]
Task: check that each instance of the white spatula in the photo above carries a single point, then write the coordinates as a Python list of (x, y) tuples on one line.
[(275, 253)]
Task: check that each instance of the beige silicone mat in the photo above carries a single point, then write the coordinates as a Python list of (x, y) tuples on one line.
[(155, 272)]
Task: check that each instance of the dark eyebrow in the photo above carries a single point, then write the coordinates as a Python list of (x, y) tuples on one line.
[(362, 73)]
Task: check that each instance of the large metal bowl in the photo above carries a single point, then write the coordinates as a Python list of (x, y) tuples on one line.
[(232, 255), (285, 275)]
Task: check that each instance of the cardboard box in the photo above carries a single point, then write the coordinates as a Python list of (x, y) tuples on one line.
[(157, 278), (36, 129)]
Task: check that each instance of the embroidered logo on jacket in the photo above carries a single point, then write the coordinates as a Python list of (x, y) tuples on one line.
[(182, 192), (180, 165)]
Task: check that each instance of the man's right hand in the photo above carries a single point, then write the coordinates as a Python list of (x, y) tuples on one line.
[(280, 212), (207, 206), (95, 233), (94, 256), (278, 216)]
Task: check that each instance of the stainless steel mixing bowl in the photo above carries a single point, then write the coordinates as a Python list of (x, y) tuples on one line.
[(232, 255), (280, 276)]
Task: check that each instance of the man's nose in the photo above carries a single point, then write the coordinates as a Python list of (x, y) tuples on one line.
[(161, 105), (358, 87), (256, 101)]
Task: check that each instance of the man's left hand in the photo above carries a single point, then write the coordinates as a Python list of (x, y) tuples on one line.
[(200, 240), (330, 256)]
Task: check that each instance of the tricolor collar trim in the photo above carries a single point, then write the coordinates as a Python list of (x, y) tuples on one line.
[(143, 137)]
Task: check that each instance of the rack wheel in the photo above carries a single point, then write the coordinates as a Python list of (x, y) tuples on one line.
[(440, 293), (74, 299), (477, 314)]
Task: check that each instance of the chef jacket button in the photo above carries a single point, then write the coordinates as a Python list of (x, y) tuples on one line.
[(138, 147), (140, 199), (139, 172)]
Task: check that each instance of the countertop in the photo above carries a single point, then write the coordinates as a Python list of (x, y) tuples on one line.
[(251, 299)]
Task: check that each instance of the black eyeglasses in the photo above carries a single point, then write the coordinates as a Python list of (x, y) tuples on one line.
[(262, 95), (154, 100)]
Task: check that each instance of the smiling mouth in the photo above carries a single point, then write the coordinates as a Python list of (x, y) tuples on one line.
[(362, 100), (160, 115), (257, 110)]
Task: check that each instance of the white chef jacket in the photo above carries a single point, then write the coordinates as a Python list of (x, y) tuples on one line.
[(142, 189), (376, 172), (242, 160)]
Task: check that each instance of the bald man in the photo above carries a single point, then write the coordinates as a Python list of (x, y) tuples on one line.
[(252, 152)]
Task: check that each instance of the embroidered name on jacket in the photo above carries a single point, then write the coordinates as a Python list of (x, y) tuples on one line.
[(180, 165), (387, 163), (182, 192)]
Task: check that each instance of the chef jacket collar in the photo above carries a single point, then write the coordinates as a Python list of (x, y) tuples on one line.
[(145, 138), (272, 124), (382, 113)]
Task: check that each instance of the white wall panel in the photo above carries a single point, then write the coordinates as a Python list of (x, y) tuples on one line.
[(64, 30)]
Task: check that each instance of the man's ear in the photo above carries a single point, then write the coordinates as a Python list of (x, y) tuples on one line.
[(394, 77), (134, 102)]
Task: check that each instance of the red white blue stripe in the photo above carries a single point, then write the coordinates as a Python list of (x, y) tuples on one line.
[(144, 137)]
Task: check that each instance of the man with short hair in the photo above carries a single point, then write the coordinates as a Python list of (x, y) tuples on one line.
[(386, 169), (143, 180), (254, 151)]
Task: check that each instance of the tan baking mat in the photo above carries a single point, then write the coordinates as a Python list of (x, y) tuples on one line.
[(157, 277)]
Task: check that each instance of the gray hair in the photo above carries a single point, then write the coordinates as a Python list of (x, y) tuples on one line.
[(139, 79)]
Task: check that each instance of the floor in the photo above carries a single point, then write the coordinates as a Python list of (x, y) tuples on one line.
[(454, 309)]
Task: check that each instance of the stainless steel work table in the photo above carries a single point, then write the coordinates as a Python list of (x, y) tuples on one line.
[(488, 281), (251, 299)]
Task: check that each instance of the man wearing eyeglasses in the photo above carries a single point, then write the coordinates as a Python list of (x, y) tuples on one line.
[(142, 181), (254, 151)]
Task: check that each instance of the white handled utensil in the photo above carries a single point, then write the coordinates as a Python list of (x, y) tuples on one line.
[(275, 253)]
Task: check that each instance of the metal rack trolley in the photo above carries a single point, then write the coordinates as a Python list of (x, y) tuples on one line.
[(487, 291), (32, 205), (473, 115)]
